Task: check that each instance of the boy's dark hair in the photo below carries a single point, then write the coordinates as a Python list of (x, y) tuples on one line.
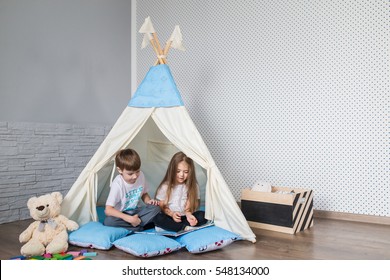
[(128, 159)]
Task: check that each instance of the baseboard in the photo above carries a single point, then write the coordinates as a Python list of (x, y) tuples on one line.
[(351, 217), (348, 217)]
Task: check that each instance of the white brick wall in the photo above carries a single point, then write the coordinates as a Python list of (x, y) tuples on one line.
[(39, 158)]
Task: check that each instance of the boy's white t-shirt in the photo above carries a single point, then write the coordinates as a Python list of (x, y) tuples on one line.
[(124, 196), (178, 198)]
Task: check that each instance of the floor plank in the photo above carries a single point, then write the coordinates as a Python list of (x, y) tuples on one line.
[(327, 240)]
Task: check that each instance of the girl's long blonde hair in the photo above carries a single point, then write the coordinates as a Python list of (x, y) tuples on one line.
[(191, 183)]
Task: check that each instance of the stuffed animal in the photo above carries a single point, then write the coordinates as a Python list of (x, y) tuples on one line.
[(48, 233)]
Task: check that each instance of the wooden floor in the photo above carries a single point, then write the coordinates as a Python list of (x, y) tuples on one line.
[(328, 239)]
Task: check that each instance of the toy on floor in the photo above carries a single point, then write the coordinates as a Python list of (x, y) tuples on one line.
[(48, 233), (71, 255)]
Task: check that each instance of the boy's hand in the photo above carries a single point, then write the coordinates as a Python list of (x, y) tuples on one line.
[(154, 202), (133, 220)]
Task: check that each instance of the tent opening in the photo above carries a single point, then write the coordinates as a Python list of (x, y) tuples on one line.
[(155, 151)]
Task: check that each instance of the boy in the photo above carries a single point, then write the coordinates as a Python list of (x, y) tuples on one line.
[(126, 190)]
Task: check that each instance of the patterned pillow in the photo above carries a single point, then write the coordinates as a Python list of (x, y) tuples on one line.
[(96, 235), (207, 239), (147, 245)]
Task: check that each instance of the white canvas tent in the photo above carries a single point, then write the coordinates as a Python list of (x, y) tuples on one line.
[(156, 124)]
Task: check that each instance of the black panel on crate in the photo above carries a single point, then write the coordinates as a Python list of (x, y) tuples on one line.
[(269, 213)]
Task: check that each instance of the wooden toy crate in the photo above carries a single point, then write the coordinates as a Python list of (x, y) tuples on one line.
[(290, 211)]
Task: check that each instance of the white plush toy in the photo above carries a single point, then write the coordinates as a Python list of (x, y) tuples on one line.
[(261, 186), (48, 233)]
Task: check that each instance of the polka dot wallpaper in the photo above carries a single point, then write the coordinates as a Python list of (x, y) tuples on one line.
[(295, 93)]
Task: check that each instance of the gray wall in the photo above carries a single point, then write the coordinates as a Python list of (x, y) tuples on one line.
[(290, 92), (65, 73), (64, 61)]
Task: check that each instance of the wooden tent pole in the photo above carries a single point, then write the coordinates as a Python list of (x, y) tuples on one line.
[(167, 47), (160, 53), (165, 51), (159, 59)]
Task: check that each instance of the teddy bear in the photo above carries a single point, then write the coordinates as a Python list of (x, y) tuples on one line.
[(49, 232)]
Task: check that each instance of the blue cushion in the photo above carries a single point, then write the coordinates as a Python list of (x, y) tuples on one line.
[(207, 239), (147, 245), (96, 235)]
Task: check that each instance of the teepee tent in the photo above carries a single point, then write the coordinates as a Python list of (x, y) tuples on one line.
[(156, 124)]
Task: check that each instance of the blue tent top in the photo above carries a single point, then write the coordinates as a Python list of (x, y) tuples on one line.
[(158, 89)]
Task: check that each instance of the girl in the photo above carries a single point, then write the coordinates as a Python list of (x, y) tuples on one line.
[(178, 195)]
